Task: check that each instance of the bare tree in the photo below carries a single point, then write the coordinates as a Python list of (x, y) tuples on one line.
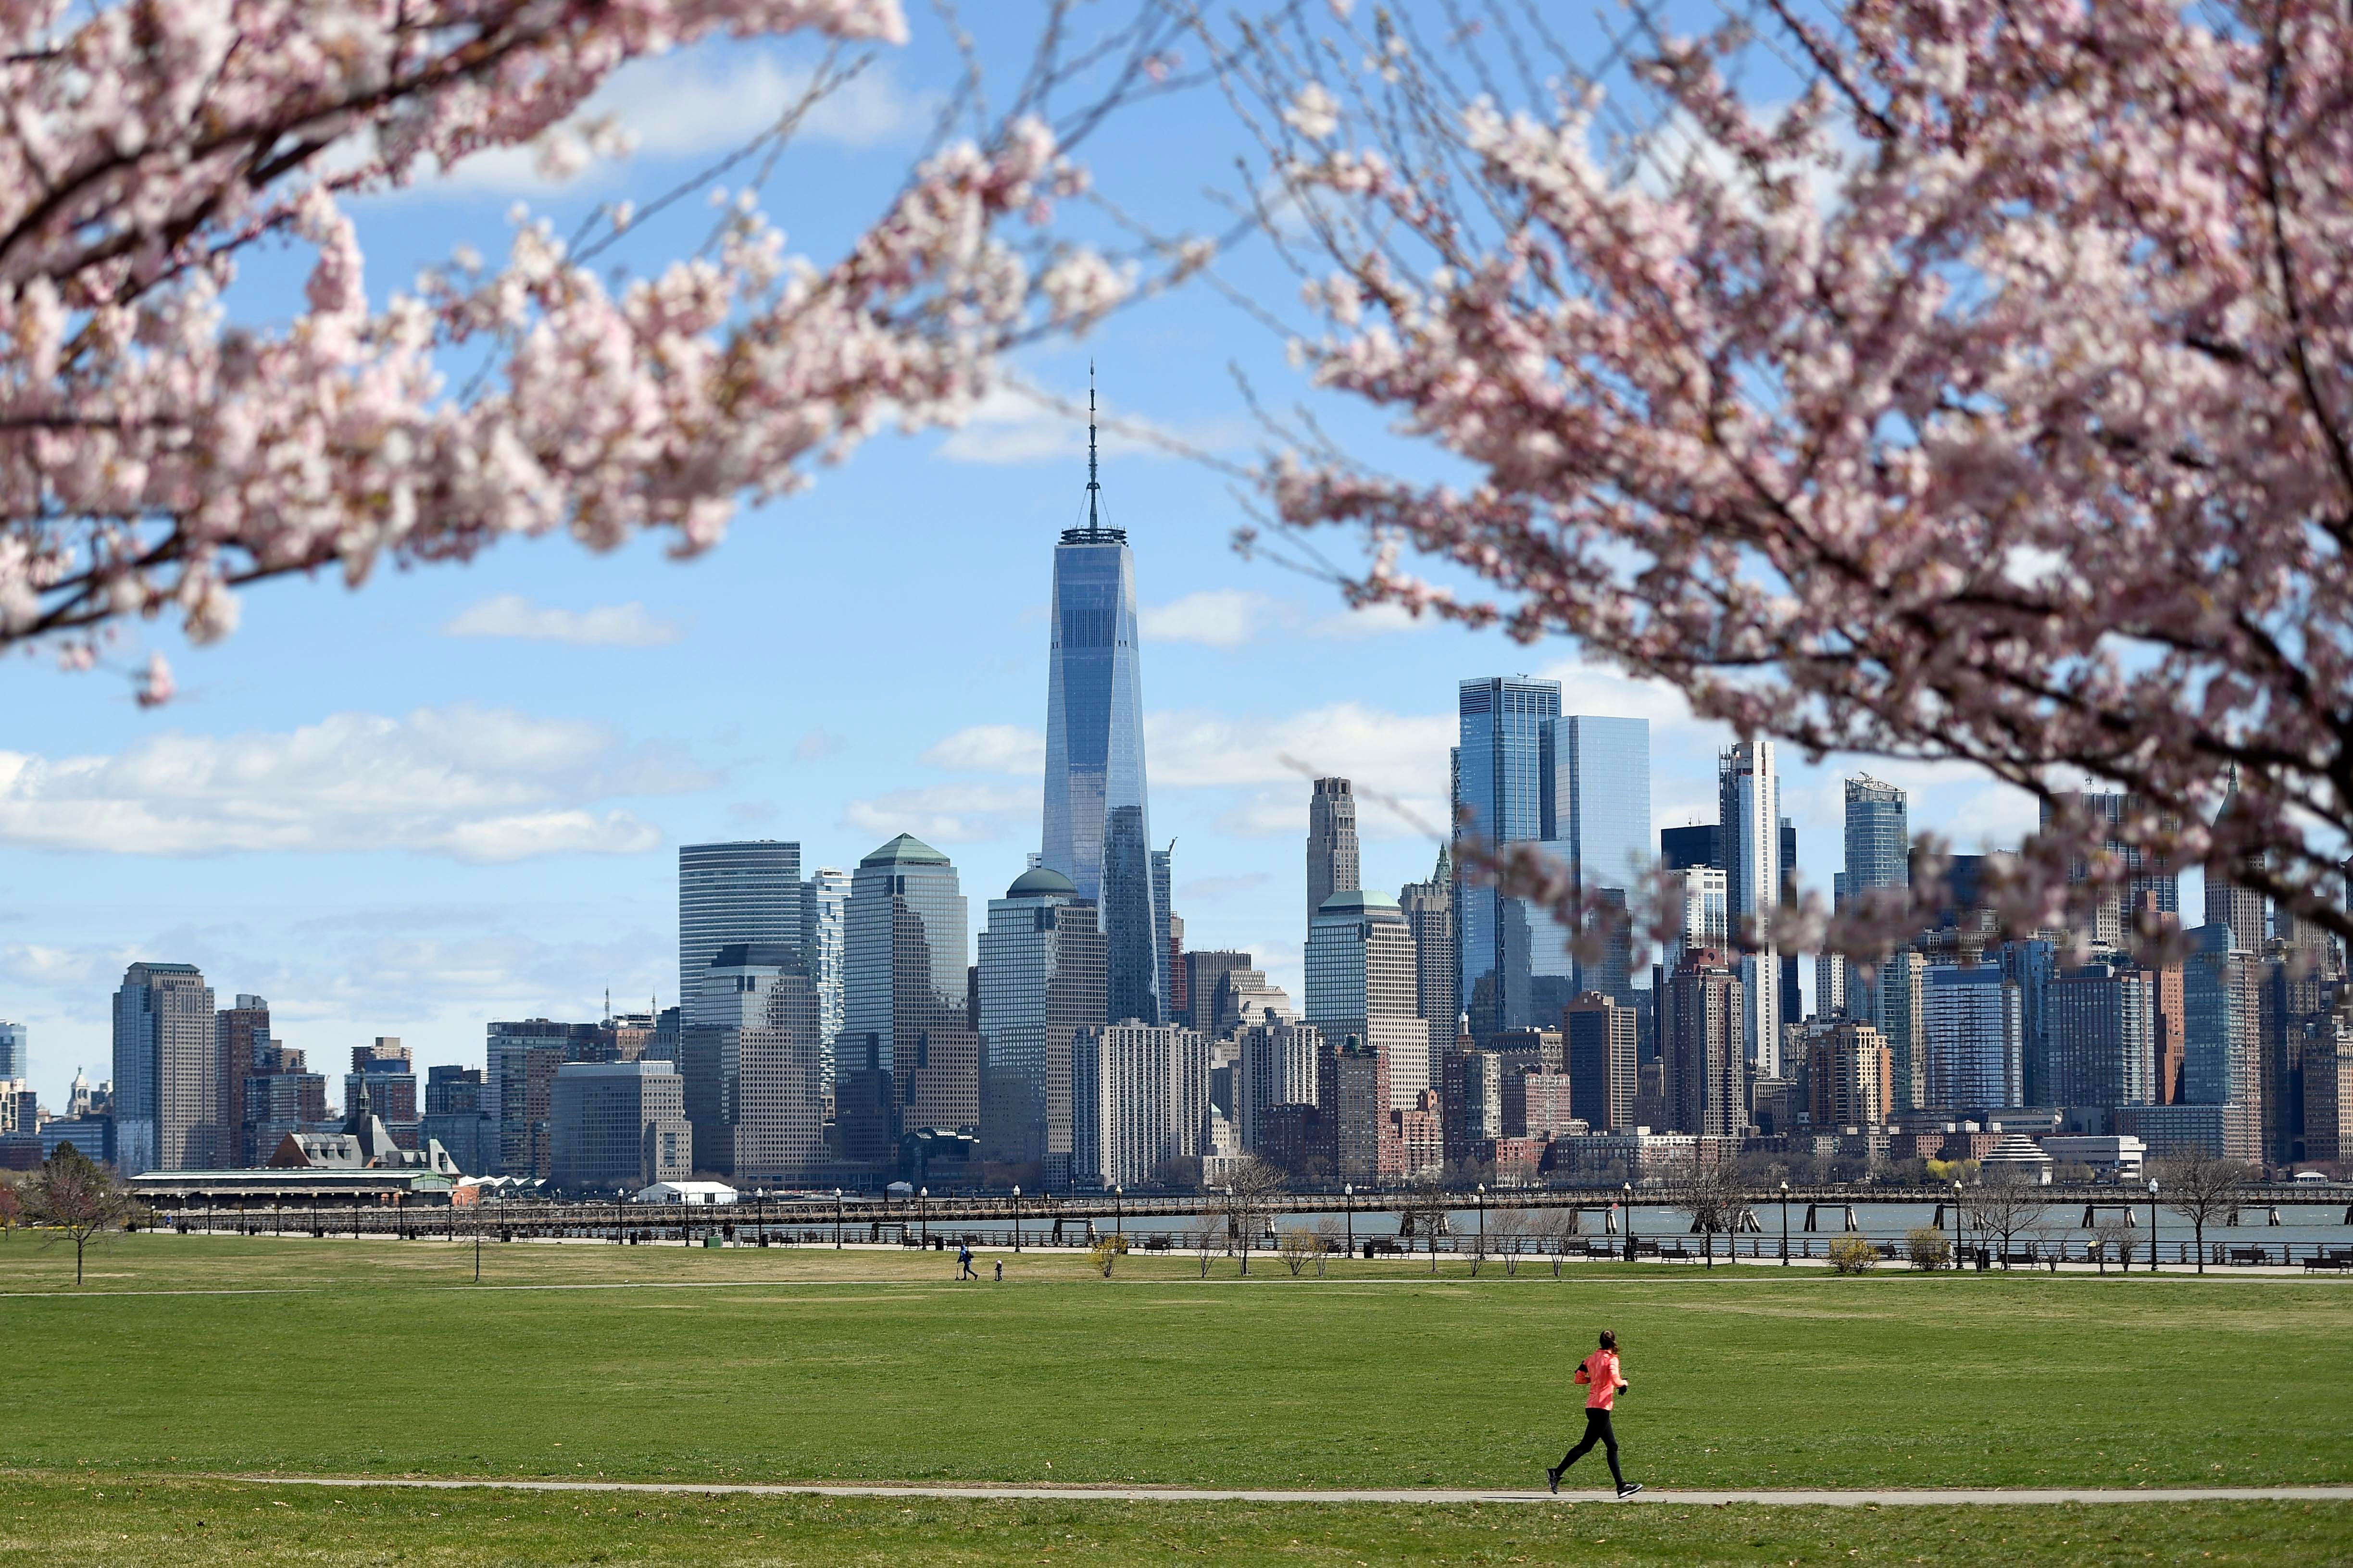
[(1328, 1240), (1425, 1208), (1554, 1235), (77, 1201), (2199, 1187), (1205, 1242), (2112, 1237), (2002, 1205), (1296, 1245), (1712, 1191), (1507, 1233), (12, 1205), (1250, 1197)]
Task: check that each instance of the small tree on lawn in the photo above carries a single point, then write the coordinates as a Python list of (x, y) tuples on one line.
[(1425, 1209), (12, 1207), (1296, 1246), (1205, 1245), (1251, 1193), (77, 1201), (1711, 1190), (2003, 1205), (2199, 1187)]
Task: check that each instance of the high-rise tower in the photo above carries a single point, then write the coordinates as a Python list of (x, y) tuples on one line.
[(1748, 824), (1332, 858), (1097, 824)]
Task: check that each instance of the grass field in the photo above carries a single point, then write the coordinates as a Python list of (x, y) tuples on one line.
[(168, 1522), (194, 1356)]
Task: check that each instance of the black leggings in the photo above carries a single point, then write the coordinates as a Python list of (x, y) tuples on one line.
[(1597, 1430)]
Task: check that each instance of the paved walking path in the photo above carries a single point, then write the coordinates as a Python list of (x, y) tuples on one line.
[(1882, 1499)]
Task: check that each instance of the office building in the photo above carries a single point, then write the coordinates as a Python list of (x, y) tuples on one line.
[(825, 906), (1891, 996), (520, 1058), (2222, 1046), (16, 1049), (1097, 829), (1543, 1105), (1878, 837), (1360, 981), (1331, 858), (1355, 1096), (1168, 941), (2295, 1016), (616, 1127), (904, 972), (1693, 847), (2329, 1094), (1793, 1000), (1698, 910), (1203, 971), (168, 1108), (1243, 995), (1598, 1036), (1428, 910), (1139, 1100), (1042, 981), (389, 1078), (746, 891), (238, 1034), (1597, 799), (454, 1117), (1274, 1065), (1748, 792), (751, 1065), (2103, 1031), (2230, 901), (1700, 1020), (281, 1096), (1848, 1070), (1976, 1032), (2150, 884), (1509, 951)]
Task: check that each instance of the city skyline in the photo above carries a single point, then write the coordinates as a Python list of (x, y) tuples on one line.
[(1227, 908)]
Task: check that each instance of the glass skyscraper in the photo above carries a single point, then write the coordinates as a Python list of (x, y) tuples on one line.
[(1596, 800), (1749, 840), (1098, 829), (1499, 779), (729, 893), (1523, 770), (1041, 982), (825, 903)]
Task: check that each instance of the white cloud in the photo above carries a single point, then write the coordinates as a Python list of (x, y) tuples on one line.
[(1214, 618), (1391, 757), (1008, 426), (474, 785), (604, 625), (1372, 621), (992, 748), (963, 813), (707, 99)]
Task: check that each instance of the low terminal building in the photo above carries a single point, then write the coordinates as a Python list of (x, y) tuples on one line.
[(698, 1195)]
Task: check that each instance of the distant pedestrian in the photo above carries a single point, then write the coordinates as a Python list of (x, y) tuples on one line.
[(963, 1263), (1000, 1271), (1605, 1381)]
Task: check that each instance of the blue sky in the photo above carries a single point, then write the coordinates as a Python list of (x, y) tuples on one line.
[(456, 795)]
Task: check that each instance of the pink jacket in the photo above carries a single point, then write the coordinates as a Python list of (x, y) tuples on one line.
[(1601, 1371)]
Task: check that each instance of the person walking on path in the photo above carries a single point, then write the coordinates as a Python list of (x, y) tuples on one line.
[(1000, 1271), (1604, 1381), (963, 1263)]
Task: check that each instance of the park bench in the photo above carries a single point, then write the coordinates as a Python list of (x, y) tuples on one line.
[(1155, 1244), (2253, 1256), (2333, 1262), (2027, 1258)]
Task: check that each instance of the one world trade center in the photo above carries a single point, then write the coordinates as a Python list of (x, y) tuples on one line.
[(1097, 827)]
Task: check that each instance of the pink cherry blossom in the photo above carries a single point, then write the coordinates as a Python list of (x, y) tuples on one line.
[(1989, 399), (155, 454)]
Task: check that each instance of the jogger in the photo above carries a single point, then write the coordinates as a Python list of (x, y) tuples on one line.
[(1604, 1382)]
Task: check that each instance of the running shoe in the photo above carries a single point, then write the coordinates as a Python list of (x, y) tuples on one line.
[(1629, 1490)]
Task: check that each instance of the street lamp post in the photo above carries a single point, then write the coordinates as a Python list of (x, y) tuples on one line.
[(1482, 1220), (1348, 1200), (1785, 1225), (1016, 1219), (1957, 1228), (2152, 1224), (836, 1219), (1629, 1222), (1118, 1209), (922, 1218)]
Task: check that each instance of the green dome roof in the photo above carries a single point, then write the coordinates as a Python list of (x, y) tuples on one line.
[(1042, 881), (905, 849)]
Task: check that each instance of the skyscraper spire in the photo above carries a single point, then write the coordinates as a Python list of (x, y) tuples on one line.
[(1093, 485)]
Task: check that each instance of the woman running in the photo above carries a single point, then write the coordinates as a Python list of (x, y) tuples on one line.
[(1604, 1383)]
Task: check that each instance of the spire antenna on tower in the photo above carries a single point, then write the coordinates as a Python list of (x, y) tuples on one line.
[(1093, 484)]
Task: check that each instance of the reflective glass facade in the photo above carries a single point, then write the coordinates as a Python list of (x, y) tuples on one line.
[(904, 959), (1749, 840), (1097, 829), (1499, 779), (748, 891), (1596, 792), (1041, 982)]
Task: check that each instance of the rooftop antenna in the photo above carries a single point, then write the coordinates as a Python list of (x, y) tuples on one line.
[(1093, 484)]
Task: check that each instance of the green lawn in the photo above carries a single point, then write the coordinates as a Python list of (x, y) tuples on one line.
[(381, 1357), (155, 1523)]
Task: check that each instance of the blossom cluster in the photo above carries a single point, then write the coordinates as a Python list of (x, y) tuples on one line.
[(1989, 401), (154, 452)]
